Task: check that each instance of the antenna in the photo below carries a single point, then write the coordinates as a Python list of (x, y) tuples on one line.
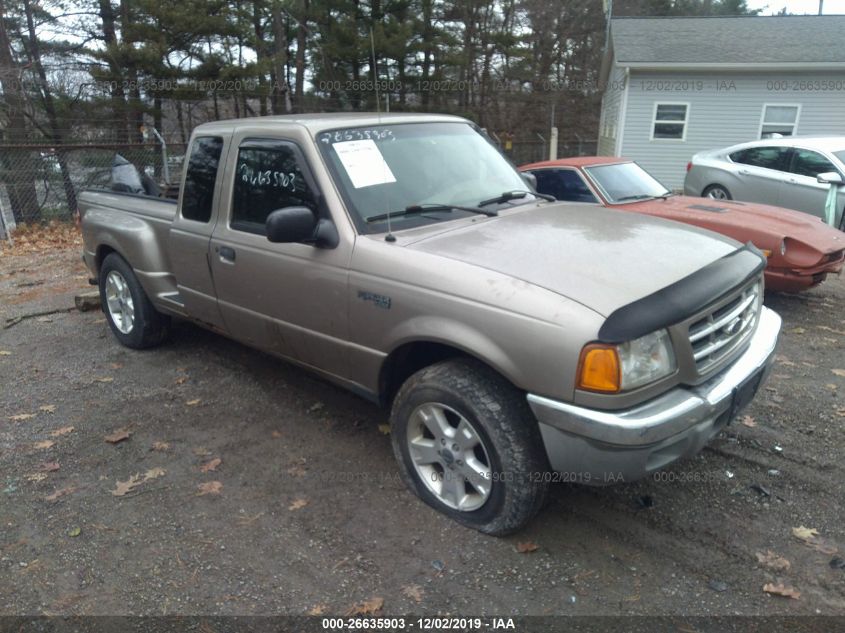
[(389, 237)]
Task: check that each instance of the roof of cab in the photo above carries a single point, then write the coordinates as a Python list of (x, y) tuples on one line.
[(320, 122)]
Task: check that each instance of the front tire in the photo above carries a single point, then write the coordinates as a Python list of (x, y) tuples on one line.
[(131, 316), (717, 192), (468, 445)]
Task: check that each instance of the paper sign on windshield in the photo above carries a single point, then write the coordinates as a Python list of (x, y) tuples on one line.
[(363, 163)]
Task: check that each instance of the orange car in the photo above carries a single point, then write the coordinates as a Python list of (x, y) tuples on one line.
[(801, 249)]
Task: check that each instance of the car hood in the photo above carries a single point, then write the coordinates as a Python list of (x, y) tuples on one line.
[(599, 257), (762, 224)]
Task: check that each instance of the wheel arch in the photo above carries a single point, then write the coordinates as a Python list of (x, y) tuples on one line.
[(411, 356)]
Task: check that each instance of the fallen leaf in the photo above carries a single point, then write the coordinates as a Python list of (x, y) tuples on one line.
[(62, 431), (297, 504), (193, 403), (47, 408), (804, 533), (831, 386), (781, 590), (797, 330), (4, 352), (44, 444), (319, 609), (36, 476), (384, 429), (124, 487), (154, 473), (276, 434), (61, 492), (201, 451), (747, 420), (181, 380), (20, 417), (48, 467), (839, 372), (527, 547), (368, 607), (161, 446), (115, 365), (117, 436), (414, 592), (773, 561), (296, 471), (211, 465), (209, 488), (74, 532), (104, 379)]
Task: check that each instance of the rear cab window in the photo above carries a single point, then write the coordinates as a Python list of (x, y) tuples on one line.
[(200, 178)]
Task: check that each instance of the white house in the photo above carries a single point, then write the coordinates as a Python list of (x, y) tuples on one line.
[(677, 86)]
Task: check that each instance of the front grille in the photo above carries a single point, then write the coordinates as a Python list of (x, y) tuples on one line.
[(717, 334)]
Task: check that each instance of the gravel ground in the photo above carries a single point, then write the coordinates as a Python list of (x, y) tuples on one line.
[(248, 487)]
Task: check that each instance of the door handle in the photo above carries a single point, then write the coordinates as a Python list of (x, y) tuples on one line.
[(744, 172), (226, 253)]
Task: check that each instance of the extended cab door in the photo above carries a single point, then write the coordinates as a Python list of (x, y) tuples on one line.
[(191, 231), (288, 299)]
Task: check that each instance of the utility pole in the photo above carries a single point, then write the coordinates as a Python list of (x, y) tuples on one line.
[(821, 6)]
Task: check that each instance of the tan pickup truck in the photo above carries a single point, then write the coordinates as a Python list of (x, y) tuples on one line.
[(516, 341)]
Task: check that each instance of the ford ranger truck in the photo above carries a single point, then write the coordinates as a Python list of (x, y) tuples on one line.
[(515, 340)]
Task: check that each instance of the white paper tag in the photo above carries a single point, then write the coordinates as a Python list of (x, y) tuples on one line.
[(363, 163)]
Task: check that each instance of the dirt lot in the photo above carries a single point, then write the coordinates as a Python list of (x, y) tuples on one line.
[(249, 487)]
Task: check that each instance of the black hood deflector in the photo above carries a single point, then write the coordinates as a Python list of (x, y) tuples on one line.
[(683, 298)]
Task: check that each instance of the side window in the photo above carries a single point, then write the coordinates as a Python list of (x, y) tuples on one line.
[(268, 177), (670, 121), (200, 176), (563, 184), (770, 157), (809, 163), (778, 119)]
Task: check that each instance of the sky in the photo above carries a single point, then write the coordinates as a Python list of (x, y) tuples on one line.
[(831, 7)]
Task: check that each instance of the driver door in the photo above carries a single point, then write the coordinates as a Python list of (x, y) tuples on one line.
[(287, 299)]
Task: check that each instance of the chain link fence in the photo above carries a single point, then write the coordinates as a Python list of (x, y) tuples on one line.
[(40, 183)]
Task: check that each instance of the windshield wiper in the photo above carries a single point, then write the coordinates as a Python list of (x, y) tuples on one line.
[(417, 209), (516, 194), (638, 196)]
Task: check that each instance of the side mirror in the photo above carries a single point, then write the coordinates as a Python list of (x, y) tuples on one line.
[(291, 224), (300, 224), (530, 179), (830, 178)]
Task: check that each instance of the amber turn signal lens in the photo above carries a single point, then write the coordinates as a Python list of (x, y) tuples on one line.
[(598, 369), (766, 252)]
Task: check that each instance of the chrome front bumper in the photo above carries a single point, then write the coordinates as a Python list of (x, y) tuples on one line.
[(599, 447)]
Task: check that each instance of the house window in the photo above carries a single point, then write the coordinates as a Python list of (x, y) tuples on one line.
[(779, 119), (670, 121)]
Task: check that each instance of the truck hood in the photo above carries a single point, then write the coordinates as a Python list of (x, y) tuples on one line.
[(762, 224), (601, 258)]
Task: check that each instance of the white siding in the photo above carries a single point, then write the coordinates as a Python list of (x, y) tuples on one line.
[(611, 105), (724, 109)]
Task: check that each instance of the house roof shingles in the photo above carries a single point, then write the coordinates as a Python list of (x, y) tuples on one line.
[(729, 40)]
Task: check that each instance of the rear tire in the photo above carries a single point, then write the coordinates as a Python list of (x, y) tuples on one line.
[(468, 445), (717, 192), (131, 316)]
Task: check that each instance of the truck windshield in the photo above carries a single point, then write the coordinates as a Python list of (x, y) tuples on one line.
[(626, 182), (387, 169)]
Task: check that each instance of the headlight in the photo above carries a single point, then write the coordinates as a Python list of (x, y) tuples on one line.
[(613, 368)]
